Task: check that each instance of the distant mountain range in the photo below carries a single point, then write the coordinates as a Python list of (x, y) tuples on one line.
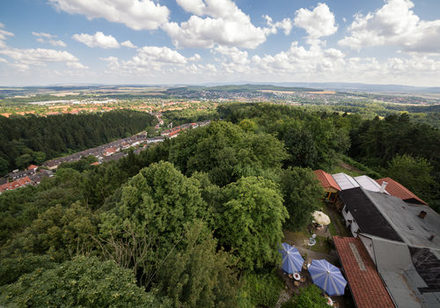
[(345, 86), (336, 86)]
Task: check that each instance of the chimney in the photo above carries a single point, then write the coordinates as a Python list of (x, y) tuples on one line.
[(422, 214), (384, 185)]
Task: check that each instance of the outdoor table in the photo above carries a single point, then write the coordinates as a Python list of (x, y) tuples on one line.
[(329, 301)]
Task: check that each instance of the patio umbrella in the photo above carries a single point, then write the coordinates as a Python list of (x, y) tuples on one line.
[(292, 260), (321, 218), (328, 277)]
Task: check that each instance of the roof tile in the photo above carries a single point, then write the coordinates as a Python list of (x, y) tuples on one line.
[(398, 190), (327, 181), (365, 283)]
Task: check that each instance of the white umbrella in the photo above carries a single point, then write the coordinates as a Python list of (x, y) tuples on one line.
[(321, 218)]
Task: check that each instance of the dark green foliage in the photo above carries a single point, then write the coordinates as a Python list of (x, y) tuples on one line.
[(20, 207), (154, 208), (413, 173), (4, 166), (60, 232), (377, 142), (311, 139), (260, 290), (199, 275), (12, 268), (249, 221), (309, 297), (84, 282), (226, 152), (32, 139), (302, 196)]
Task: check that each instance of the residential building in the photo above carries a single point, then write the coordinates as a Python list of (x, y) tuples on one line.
[(329, 184), (396, 189), (365, 283)]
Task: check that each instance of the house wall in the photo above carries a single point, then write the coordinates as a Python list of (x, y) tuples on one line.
[(368, 244), (349, 221)]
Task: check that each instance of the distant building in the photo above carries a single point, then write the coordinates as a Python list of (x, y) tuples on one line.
[(32, 168), (109, 151), (16, 184)]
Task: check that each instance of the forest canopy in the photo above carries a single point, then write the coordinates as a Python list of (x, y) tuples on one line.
[(195, 220), (33, 139)]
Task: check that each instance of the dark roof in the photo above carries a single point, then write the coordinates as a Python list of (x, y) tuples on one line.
[(366, 286), (398, 190), (428, 267), (367, 216)]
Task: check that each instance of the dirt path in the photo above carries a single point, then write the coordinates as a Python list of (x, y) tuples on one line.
[(349, 167)]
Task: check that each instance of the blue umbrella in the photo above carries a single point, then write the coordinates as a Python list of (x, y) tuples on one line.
[(328, 277), (292, 260)]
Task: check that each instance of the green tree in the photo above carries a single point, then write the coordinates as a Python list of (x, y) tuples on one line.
[(39, 157), (82, 282), (248, 125), (150, 218), (226, 152), (4, 166), (309, 297), (260, 290), (12, 268), (198, 275), (249, 221), (302, 194), (23, 160), (412, 172), (59, 232)]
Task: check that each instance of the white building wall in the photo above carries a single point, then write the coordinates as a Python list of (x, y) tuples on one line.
[(368, 244), (349, 221)]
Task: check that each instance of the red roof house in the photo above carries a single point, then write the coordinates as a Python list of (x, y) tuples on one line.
[(398, 190), (16, 184), (366, 286), (327, 181), (109, 151), (32, 167)]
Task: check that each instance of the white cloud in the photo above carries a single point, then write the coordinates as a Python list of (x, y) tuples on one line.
[(394, 24), (233, 60), (3, 60), (317, 23), (98, 39), (48, 38), (128, 44), (135, 14), (149, 59), (285, 25), (300, 60), (150, 54), (4, 35), (218, 22), (24, 58)]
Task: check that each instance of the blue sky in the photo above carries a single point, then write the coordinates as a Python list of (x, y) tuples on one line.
[(44, 42)]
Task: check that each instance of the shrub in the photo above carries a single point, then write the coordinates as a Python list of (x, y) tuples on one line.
[(260, 290)]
